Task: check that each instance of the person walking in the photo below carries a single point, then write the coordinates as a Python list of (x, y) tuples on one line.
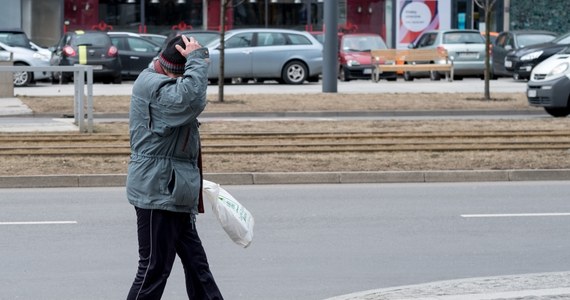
[(164, 181)]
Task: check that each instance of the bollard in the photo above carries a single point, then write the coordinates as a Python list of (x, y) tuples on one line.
[(6, 78)]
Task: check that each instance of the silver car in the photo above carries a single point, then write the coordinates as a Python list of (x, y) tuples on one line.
[(466, 48), (35, 57), (288, 56), (549, 84)]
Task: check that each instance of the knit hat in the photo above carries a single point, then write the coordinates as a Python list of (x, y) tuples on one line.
[(170, 59)]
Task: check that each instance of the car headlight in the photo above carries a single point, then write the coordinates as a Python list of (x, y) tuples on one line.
[(559, 69), (531, 56), (41, 56), (351, 63)]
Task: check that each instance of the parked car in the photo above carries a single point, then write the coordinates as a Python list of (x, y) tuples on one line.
[(135, 52), (319, 35), (288, 56), (492, 36), (549, 84), (354, 57), (157, 38), (509, 41), (204, 37), (466, 48), (87, 48), (522, 61), (24, 53)]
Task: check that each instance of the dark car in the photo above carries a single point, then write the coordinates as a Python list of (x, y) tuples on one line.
[(157, 38), (509, 41), (522, 61), (354, 59), (135, 52), (87, 48)]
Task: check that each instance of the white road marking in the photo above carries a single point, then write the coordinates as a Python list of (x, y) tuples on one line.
[(516, 215), (38, 223)]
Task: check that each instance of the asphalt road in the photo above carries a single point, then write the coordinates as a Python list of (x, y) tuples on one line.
[(310, 242)]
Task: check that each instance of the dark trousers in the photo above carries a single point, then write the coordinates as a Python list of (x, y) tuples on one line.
[(163, 234)]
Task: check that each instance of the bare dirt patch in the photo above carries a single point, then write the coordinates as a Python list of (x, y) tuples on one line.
[(346, 161), (306, 102)]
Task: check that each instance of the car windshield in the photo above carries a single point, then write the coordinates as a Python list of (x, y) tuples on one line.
[(15, 39), (531, 39), (93, 40), (564, 39), (363, 43), (463, 38)]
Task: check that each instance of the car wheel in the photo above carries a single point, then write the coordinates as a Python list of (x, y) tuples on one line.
[(434, 76), (22, 78), (295, 72), (58, 77), (117, 79), (558, 112), (342, 74), (408, 76)]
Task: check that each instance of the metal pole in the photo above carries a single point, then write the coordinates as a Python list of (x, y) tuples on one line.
[(77, 94), (205, 14), (330, 54), (309, 21), (81, 99), (266, 13), (143, 21), (89, 99)]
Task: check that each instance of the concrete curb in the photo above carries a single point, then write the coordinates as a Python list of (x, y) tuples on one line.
[(553, 285), (114, 180)]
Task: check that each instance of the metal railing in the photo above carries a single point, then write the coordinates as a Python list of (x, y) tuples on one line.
[(80, 110)]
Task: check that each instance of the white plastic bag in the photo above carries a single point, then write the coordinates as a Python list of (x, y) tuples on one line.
[(235, 219)]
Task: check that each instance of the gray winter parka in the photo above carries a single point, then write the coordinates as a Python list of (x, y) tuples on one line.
[(163, 171)]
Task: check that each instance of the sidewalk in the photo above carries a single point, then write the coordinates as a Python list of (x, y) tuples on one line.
[(15, 116), (538, 286)]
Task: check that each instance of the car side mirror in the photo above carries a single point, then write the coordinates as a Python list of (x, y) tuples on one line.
[(508, 47)]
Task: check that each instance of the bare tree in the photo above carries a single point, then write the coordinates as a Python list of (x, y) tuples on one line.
[(487, 5), (223, 8), (224, 4)]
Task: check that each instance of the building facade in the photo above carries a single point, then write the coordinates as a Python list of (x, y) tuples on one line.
[(46, 20)]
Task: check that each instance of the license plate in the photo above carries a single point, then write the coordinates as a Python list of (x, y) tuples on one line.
[(531, 93), (508, 63), (468, 54), (367, 71)]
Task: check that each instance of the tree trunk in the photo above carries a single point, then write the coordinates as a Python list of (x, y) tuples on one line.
[(487, 51), (223, 5)]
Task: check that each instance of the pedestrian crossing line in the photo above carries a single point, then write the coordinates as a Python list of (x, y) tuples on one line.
[(39, 223), (515, 215)]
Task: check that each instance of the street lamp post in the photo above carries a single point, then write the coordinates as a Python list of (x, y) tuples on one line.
[(330, 54)]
